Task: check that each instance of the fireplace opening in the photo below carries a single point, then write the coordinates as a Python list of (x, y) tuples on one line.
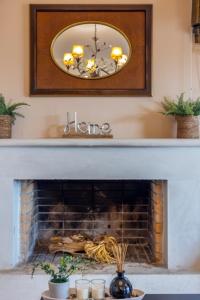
[(129, 210)]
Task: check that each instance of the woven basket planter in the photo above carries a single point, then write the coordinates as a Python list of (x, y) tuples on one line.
[(187, 127), (5, 127)]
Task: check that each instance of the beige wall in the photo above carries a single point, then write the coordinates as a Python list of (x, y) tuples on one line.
[(130, 117)]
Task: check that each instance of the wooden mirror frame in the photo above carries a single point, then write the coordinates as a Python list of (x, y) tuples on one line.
[(47, 79)]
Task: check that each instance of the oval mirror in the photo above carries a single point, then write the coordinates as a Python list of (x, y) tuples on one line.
[(91, 50)]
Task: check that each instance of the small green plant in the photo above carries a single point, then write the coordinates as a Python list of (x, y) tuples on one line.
[(181, 107), (60, 273), (9, 108)]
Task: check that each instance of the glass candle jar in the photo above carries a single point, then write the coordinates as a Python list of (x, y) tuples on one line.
[(82, 289), (98, 289)]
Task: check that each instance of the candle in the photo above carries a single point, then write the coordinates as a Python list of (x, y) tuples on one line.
[(98, 293), (82, 293), (82, 289), (98, 289)]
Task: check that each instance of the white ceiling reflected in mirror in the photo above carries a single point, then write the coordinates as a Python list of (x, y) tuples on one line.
[(91, 50)]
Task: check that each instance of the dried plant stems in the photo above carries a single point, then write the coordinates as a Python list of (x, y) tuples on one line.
[(119, 252)]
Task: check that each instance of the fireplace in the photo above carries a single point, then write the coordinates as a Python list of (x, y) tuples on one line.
[(162, 164), (129, 210)]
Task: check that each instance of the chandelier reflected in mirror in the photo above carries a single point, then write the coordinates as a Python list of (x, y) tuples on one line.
[(91, 50)]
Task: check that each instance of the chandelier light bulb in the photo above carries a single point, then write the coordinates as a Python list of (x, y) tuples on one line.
[(68, 59), (77, 51), (122, 60), (116, 53), (91, 65)]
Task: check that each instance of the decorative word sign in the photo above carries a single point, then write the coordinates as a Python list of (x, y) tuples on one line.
[(75, 129)]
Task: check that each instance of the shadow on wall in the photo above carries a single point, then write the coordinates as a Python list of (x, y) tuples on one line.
[(158, 126), (53, 130), (149, 124)]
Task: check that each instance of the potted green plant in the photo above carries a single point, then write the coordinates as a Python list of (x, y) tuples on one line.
[(186, 113), (8, 114), (59, 274)]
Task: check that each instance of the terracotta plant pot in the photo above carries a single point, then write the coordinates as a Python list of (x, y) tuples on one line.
[(187, 127), (5, 126)]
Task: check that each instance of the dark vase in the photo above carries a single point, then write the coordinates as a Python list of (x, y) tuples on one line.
[(120, 287)]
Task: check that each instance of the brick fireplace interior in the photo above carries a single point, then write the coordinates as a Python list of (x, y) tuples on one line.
[(130, 210)]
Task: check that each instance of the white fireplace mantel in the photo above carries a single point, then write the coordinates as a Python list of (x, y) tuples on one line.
[(100, 142), (176, 161), (99, 158)]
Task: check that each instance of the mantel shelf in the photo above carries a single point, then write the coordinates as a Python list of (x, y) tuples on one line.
[(54, 142)]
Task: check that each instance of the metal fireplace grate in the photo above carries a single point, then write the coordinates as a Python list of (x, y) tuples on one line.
[(115, 207), (139, 254)]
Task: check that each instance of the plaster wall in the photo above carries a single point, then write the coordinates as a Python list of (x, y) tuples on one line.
[(175, 69)]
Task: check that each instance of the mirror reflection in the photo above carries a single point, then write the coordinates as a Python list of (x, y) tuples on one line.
[(91, 50)]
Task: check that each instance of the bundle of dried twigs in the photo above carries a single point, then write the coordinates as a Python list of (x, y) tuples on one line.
[(101, 251), (119, 252)]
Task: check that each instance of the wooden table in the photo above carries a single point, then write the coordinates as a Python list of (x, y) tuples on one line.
[(172, 297)]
